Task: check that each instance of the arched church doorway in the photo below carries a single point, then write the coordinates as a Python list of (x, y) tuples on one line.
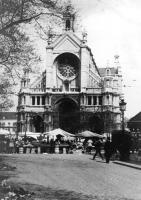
[(38, 124), (68, 115), (96, 124)]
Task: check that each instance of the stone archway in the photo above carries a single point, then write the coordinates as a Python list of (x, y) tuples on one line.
[(68, 115)]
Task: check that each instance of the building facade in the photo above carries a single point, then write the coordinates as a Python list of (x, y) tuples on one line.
[(134, 124), (8, 121), (72, 93)]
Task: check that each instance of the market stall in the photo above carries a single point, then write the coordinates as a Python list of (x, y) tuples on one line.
[(89, 134), (89, 139), (59, 140)]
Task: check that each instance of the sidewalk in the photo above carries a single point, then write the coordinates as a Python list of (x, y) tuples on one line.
[(132, 164)]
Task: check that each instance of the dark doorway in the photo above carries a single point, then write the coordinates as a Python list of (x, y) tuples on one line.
[(38, 124), (96, 124), (68, 115)]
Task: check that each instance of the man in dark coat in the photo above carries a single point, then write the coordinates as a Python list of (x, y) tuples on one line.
[(108, 150), (98, 145)]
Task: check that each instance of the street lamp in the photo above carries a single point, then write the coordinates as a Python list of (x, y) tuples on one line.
[(122, 105), (26, 117)]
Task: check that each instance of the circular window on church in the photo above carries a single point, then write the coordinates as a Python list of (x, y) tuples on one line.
[(68, 66), (67, 70)]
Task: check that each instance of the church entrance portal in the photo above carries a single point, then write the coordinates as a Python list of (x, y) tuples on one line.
[(68, 115)]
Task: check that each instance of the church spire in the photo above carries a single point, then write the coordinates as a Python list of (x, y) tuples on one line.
[(68, 18)]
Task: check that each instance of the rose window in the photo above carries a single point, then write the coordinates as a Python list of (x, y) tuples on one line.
[(67, 70)]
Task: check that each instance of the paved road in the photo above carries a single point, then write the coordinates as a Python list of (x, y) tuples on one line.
[(67, 177)]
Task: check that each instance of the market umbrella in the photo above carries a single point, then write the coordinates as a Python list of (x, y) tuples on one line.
[(89, 134)]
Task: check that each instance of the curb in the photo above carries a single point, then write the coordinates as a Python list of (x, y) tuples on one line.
[(127, 164)]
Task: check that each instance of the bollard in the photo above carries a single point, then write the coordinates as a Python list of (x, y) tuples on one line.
[(33, 150), (39, 149), (57, 149), (27, 150), (21, 150), (64, 151)]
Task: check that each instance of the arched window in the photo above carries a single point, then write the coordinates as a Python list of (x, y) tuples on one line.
[(67, 24), (94, 100), (24, 99), (38, 100), (33, 100), (89, 100), (100, 100)]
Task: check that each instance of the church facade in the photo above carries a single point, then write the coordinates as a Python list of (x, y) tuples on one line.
[(72, 93)]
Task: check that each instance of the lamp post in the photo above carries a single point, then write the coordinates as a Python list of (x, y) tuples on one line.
[(17, 125), (122, 105), (26, 118)]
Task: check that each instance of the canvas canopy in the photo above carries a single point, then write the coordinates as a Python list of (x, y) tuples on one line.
[(59, 131), (30, 134), (89, 134), (4, 132)]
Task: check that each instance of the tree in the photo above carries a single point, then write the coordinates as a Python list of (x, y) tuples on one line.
[(5, 91), (16, 48)]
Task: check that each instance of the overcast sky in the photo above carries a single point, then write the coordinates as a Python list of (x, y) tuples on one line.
[(114, 27)]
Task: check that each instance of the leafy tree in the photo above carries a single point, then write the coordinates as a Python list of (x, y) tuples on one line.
[(17, 18)]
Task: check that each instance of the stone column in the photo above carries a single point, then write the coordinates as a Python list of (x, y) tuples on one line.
[(49, 68), (84, 68)]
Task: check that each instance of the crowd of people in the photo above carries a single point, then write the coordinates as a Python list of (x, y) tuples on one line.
[(92, 146)]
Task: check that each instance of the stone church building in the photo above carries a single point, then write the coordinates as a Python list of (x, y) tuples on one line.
[(72, 93)]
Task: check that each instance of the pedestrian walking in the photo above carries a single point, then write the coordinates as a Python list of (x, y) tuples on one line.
[(108, 150), (11, 146), (52, 146), (89, 146), (98, 145)]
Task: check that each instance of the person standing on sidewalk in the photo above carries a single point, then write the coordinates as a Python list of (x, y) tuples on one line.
[(108, 150), (98, 145)]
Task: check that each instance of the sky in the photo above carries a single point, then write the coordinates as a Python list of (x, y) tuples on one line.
[(114, 27)]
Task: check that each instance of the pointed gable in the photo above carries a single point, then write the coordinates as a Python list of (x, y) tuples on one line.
[(136, 118), (135, 122), (67, 42)]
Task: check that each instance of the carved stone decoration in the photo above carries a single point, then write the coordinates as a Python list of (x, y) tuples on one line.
[(67, 70)]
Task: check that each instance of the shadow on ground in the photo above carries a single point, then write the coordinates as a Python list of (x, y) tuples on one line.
[(42, 193), (57, 194)]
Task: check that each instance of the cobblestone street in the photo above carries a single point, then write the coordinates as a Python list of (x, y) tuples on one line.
[(74, 177)]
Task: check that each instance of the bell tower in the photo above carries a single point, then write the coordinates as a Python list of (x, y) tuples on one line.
[(68, 18)]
